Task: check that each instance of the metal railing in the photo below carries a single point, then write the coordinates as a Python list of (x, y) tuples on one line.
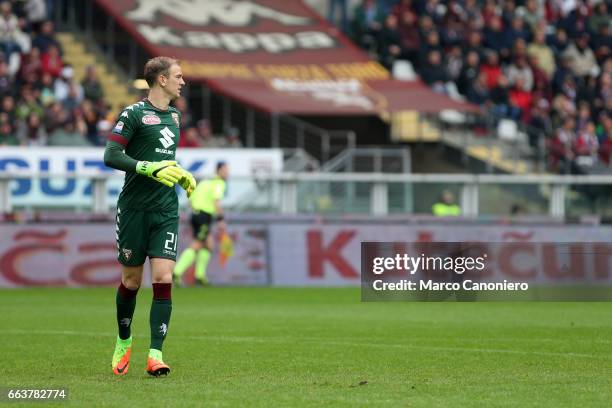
[(377, 194)]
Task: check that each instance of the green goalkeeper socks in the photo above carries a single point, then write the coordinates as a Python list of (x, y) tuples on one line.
[(201, 263), (185, 261), (161, 309)]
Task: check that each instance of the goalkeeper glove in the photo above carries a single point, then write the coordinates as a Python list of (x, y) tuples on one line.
[(164, 172), (187, 181)]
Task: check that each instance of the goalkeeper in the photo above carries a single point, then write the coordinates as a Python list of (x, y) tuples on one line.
[(143, 144), (206, 205)]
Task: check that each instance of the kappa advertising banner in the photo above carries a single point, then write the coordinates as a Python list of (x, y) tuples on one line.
[(62, 191), (331, 255), (282, 53), (86, 255)]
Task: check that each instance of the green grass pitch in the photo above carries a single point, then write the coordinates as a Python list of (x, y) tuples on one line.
[(273, 347)]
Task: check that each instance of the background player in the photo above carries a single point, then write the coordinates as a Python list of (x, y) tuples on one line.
[(143, 144), (206, 205)]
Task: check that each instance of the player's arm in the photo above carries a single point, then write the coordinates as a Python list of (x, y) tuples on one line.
[(218, 193), (115, 157), (164, 172)]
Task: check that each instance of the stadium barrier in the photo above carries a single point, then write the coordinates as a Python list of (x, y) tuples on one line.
[(377, 194)]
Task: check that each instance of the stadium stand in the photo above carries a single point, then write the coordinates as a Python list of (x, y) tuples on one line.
[(51, 90), (545, 65)]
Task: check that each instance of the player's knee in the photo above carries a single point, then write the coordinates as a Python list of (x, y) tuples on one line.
[(162, 278), (132, 282)]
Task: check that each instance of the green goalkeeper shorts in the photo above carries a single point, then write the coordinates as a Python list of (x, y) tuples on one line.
[(141, 234)]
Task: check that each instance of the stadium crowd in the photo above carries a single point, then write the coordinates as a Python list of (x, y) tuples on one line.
[(42, 103), (543, 63)]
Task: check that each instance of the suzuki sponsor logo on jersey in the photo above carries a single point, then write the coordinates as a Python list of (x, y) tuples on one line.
[(151, 120), (168, 137)]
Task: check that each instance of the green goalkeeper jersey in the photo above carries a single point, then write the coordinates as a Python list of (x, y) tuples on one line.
[(150, 134)]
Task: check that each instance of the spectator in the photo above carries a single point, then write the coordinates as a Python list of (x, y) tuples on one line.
[(190, 138), (51, 62), (67, 135), (409, 35), (520, 97), (582, 60), (446, 206), (46, 38), (92, 89), (31, 132), (55, 117), (602, 44), (562, 73), (31, 66), (28, 103), (545, 58), (91, 118), (367, 23), (605, 150), (491, 69), (517, 29), (469, 72), (561, 155), (7, 135), (474, 44), (433, 72), (478, 93), (232, 138), (497, 39), (206, 134), (45, 88), (559, 42), (432, 43), (520, 70), (532, 14), (389, 42), (74, 98), (452, 30), (9, 29), (8, 107), (539, 125), (585, 147), (500, 97), (36, 13), (61, 86), (6, 83), (454, 63)]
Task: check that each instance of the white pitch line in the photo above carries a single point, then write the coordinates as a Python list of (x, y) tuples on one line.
[(247, 339)]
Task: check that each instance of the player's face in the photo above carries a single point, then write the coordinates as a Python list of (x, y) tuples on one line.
[(174, 81), (224, 172)]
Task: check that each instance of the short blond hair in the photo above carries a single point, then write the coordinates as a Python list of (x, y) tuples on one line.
[(157, 66)]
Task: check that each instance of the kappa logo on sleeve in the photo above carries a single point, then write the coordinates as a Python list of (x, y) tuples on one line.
[(151, 120), (176, 118)]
